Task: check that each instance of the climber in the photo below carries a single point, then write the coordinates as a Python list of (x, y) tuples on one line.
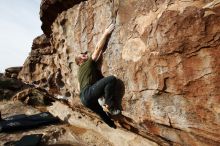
[(92, 87)]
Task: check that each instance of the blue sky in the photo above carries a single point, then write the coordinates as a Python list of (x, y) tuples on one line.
[(19, 25)]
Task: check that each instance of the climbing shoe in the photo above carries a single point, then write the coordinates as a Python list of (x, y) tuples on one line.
[(114, 111), (101, 101)]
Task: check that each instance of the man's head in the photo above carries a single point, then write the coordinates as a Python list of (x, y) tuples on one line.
[(81, 58)]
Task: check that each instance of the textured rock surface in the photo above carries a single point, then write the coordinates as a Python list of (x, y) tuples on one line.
[(33, 97), (12, 72), (174, 95), (49, 11), (52, 134), (100, 133), (41, 59), (9, 87)]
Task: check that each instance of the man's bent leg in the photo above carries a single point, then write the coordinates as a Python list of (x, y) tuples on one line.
[(104, 87)]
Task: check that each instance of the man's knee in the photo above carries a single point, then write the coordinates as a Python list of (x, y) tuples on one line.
[(112, 78)]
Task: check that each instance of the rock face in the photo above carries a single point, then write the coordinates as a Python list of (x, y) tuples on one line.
[(50, 10), (41, 59), (12, 72), (100, 133), (9, 87), (173, 96)]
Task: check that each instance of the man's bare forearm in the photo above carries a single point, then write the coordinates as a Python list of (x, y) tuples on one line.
[(101, 43)]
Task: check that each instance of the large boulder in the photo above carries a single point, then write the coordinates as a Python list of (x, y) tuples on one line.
[(49, 11), (173, 95), (39, 68), (12, 72), (9, 87)]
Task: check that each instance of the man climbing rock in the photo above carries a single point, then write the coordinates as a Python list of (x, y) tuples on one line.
[(91, 86)]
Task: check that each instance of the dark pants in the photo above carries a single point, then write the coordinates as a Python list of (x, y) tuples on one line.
[(90, 95)]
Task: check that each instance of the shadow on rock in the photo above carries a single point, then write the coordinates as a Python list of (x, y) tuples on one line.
[(126, 123)]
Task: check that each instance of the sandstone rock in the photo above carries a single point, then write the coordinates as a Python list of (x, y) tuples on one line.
[(9, 87), (33, 97), (1, 75), (100, 134), (41, 59), (50, 9), (173, 95), (12, 72), (54, 134)]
